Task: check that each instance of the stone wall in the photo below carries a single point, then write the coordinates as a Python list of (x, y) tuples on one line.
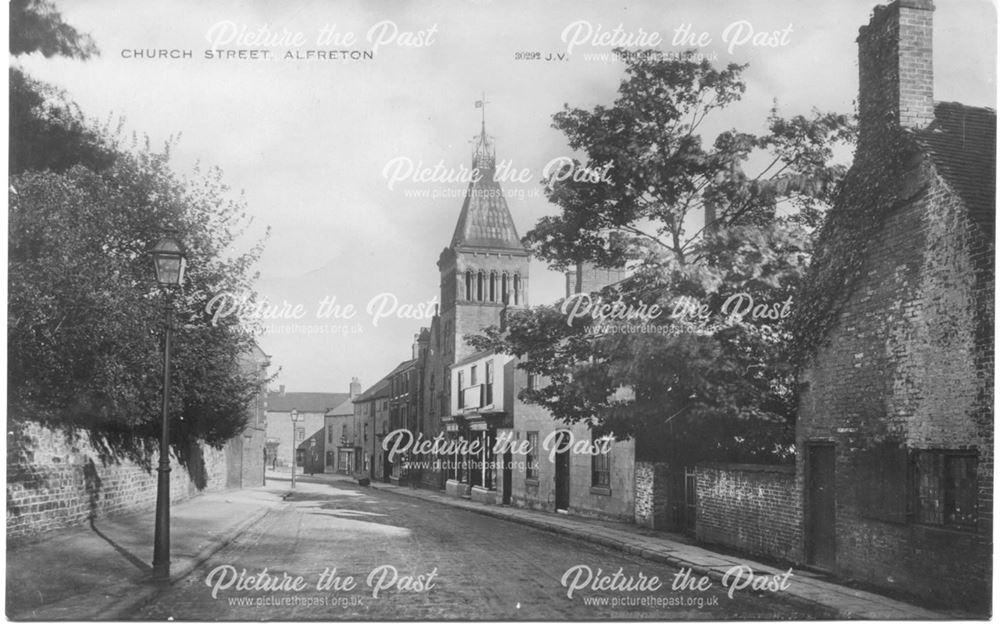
[(52, 484), (752, 508), (652, 495)]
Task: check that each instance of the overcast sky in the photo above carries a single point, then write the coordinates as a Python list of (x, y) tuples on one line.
[(311, 141)]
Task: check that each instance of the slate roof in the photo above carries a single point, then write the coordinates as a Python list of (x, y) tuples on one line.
[(485, 220), (347, 408), (381, 388), (962, 143), (304, 402)]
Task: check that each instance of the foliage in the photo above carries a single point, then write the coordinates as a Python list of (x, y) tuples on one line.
[(37, 26), (48, 130), (85, 316), (868, 196), (689, 388)]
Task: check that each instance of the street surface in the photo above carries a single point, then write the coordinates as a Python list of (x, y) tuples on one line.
[(403, 558)]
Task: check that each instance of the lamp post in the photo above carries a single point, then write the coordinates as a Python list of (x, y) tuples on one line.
[(295, 418), (169, 262), (312, 455)]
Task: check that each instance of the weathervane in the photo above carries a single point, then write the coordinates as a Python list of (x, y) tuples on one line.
[(481, 104)]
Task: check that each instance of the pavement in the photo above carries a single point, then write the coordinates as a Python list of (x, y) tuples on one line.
[(102, 571), (810, 590), (98, 571)]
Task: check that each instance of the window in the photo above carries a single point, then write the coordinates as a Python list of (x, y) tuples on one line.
[(504, 288), (472, 376), (531, 457), (489, 382), (300, 434), (480, 280), (329, 434), (882, 491), (945, 489), (532, 382), (600, 467), (493, 285), (432, 382), (468, 285), (461, 389), (517, 289)]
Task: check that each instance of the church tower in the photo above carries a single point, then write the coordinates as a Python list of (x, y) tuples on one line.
[(485, 266)]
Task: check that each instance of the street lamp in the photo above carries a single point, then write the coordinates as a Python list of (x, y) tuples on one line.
[(295, 418), (169, 262)]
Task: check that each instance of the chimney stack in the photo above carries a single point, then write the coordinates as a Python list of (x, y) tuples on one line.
[(896, 76), (355, 390)]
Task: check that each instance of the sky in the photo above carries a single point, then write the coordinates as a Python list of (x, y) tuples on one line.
[(334, 155)]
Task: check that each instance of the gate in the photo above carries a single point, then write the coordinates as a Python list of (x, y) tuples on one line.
[(690, 500)]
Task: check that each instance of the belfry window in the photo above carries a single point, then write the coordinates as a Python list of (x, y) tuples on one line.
[(493, 285), (504, 288), (517, 289), (468, 285), (480, 280)]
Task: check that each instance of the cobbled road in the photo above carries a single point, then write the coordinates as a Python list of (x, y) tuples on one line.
[(430, 562)]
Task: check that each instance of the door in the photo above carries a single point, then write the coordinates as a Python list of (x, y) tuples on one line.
[(508, 475), (821, 507), (562, 472)]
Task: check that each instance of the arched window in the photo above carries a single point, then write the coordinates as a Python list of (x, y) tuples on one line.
[(481, 279), (504, 288), (493, 286), (517, 289), (468, 285)]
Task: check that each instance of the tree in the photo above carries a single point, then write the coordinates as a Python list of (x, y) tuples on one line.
[(47, 129), (85, 317), (37, 26), (697, 225)]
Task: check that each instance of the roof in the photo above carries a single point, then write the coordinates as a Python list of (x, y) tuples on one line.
[(304, 402), (485, 220), (381, 388), (346, 408), (962, 144), (318, 436)]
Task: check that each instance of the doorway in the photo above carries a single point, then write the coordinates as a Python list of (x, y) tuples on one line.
[(821, 507), (562, 471)]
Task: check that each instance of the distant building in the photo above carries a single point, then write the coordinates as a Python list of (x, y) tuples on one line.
[(371, 423), (246, 454), (338, 448), (895, 433), (311, 408)]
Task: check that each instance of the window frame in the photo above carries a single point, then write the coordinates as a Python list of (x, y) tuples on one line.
[(945, 455), (530, 456)]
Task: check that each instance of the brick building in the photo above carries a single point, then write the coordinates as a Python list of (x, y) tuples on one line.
[(895, 434)]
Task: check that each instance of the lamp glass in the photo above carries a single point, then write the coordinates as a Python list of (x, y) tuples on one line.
[(169, 262)]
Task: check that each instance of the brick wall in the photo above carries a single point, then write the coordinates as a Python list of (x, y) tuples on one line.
[(52, 484), (753, 508)]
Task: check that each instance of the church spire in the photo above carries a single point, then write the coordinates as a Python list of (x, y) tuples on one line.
[(485, 221), (484, 156)]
